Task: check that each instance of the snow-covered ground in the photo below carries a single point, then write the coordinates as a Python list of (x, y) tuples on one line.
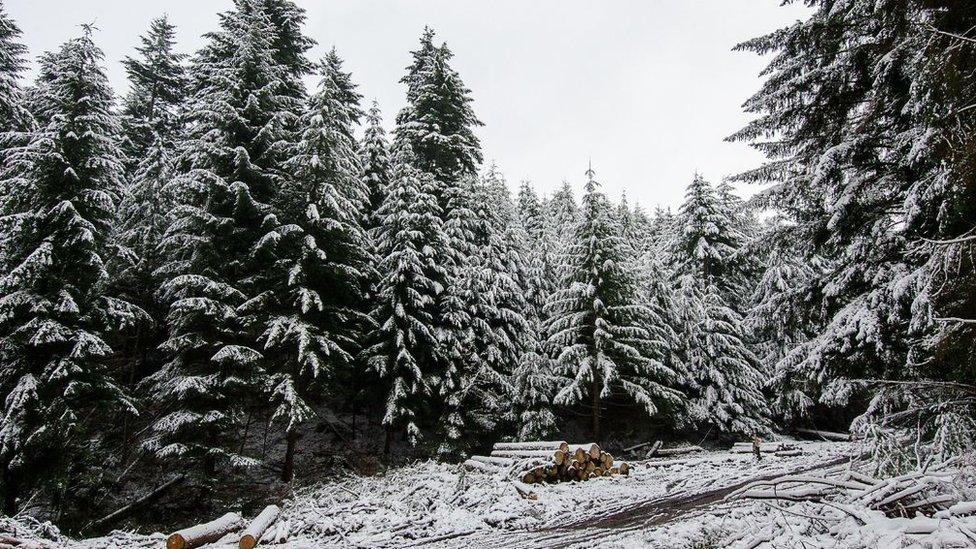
[(675, 505)]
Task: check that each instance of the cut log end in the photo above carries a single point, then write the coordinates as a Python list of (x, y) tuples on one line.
[(248, 542)]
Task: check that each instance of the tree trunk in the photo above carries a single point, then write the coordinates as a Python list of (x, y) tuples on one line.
[(596, 409), (10, 492), (288, 469), (388, 443)]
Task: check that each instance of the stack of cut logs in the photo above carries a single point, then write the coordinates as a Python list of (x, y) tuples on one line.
[(535, 462)]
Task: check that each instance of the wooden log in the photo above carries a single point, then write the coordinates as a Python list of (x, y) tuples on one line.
[(496, 461), (525, 454), (654, 449), (789, 453), (615, 470), (579, 454), (765, 447), (528, 477), (17, 543), (826, 435), (127, 509), (542, 445), (559, 456), (202, 534), (667, 452), (625, 469), (481, 466), (590, 448), (636, 447), (254, 531)]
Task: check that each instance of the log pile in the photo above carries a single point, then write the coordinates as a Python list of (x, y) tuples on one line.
[(259, 529), (558, 461)]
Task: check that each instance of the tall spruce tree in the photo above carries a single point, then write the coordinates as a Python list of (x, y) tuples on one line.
[(157, 87), (318, 318), (597, 323), (15, 118), (61, 190), (151, 122), (722, 378), (411, 246), (221, 243), (840, 172), (375, 159), (438, 121)]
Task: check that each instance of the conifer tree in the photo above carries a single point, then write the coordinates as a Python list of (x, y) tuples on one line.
[(318, 318), (840, 172), (375, 158), (221, 243), (725, 389), (157, 87), (597, 324), (61, 190), (411, 246), (723, 381), (438, 121), (493, 293), (151, 122), (15, 118)]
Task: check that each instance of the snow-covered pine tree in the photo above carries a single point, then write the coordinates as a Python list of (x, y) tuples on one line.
[(57, 211), (438, 121), (777, 320), (151, 123), (15, 118), (725, 389), (708, 241), (492, 291), (597, 324), (845, 143), (723, 381), (375, 159), (220, 245), (411, 245), (157, 88), (534, 380), (318, 318)]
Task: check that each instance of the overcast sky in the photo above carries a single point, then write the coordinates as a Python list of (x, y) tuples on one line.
[(646, 88)]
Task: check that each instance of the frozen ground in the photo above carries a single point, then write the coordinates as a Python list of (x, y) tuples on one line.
[(677, 505)]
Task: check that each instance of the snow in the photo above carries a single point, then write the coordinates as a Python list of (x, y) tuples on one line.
[(678, 503)]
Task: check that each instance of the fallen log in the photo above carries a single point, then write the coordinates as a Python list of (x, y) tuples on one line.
[(480, 466), (636, 447), (551, 445), (654, 449), (254, 531), (826, 435), (666, 452), (789, 453), (201, 534), (127, 509), (17, 543)]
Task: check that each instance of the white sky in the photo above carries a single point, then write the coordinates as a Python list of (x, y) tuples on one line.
[(646, 88)]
